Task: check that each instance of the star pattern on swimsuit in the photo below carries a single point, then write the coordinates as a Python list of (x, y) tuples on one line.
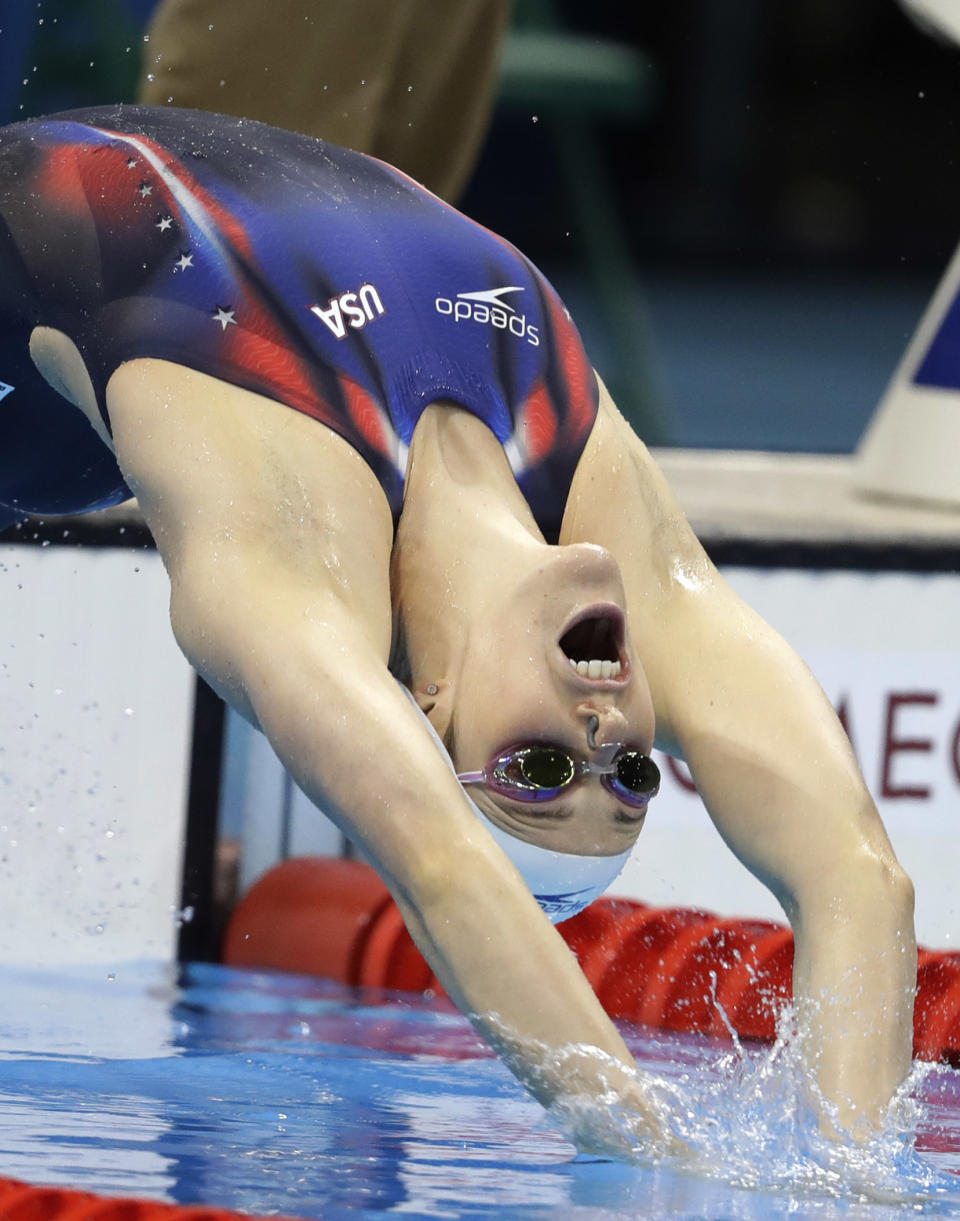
[(164, 223), (224, 316), (132, 163), (144, 189), (185, 260)]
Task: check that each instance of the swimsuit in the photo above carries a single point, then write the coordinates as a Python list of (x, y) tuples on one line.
[(318, 277)]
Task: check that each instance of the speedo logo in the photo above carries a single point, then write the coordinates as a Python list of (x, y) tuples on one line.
[(5, 390), (350, 309), (487, 307)]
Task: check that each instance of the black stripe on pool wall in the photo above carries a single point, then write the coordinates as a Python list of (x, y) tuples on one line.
[(202, 922), (74, 531), (835, 555)]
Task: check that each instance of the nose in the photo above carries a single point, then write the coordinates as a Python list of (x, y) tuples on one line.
[(603, 725)]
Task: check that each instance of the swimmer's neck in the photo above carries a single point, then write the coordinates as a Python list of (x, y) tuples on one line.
[(458, 465), (465, 532)]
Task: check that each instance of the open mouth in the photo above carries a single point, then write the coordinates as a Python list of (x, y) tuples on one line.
[(593, 645)]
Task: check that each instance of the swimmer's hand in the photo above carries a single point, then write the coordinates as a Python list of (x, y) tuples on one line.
[(603, 1106), (628, 1119)]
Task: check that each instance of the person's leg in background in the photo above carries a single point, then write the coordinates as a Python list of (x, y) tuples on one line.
[(410, 81), (444, 85)]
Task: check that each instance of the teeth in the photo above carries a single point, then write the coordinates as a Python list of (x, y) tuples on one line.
[(596, 668)]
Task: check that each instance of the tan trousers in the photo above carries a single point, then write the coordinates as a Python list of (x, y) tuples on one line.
[(409, 81)]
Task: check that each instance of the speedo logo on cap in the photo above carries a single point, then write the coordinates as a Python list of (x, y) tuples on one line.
[(5, 389), (488, 307)]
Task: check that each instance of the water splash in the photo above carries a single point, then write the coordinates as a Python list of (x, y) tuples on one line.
[(750, 1120)]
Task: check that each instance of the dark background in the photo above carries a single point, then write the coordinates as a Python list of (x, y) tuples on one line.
[(785, 202), (794, 136)]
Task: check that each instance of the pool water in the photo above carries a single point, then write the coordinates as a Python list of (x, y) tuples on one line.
[(280, 1094)]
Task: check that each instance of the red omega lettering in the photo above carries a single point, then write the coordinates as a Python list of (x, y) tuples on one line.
[(893, 745)]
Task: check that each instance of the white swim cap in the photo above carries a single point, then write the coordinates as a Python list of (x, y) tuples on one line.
[(563, 883)]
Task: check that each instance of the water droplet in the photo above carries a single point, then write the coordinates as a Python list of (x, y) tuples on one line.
[(535, 118), (128, 712), (210, 27), (146, 38), (151, 77)]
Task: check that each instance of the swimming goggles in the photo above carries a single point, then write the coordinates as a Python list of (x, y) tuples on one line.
[(541, 773), (563, 883)]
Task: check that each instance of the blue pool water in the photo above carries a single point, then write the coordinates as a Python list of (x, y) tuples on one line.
[(279, 1094)]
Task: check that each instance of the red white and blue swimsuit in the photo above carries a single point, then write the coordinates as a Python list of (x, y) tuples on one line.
[(318, 277)]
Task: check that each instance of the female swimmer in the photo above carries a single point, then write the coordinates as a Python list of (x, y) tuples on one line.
[(356, 421)]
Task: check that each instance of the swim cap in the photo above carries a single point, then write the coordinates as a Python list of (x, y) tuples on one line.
[(563, 883)]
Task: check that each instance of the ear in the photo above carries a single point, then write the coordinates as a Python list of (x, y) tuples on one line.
[(436, 701)]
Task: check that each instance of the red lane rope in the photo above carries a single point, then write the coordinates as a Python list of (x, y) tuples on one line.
[(674, 968), (21, 1202)]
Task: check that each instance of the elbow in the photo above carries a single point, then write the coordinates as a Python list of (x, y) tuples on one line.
[(187, 622), (449, 884), (862, 888), (195, 628), (871, 889), (432, 878), (899, 889), (205, 628), (884, 882)]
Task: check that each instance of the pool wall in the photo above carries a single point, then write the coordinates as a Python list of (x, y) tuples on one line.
[(95, 742)]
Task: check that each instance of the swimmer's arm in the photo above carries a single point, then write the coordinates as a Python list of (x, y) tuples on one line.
[(353, 743), (776, 772), (285, 620)]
